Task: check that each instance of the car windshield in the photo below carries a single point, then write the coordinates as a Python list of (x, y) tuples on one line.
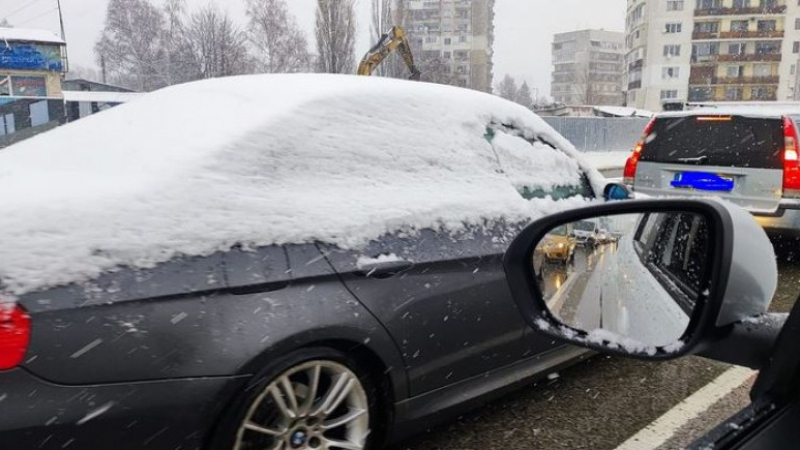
[(285, 224)]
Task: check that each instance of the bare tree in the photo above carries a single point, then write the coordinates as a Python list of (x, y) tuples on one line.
[(583, 86), (507, 88), (382, 21), (130, 44), (336, 36), (218, 46), (524, 96), (177, 52), (280, 45)]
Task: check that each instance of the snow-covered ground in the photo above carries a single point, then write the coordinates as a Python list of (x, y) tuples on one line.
[(340, 159)]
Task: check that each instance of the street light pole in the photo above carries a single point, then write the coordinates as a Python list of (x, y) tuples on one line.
[(63, 36)]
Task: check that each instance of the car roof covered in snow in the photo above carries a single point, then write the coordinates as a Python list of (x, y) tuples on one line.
[(264, 160)]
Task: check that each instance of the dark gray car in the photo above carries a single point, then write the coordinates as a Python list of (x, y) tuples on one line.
[(311, 344)]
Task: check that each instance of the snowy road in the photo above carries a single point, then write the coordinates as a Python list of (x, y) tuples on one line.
[(600, 403)]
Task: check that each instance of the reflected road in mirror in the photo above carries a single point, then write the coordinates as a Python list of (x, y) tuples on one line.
[(630, 279)]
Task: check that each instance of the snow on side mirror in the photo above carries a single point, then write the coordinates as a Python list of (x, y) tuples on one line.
[(665, 278)]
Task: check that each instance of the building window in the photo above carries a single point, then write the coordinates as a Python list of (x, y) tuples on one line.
[(739, 25), (7, 125), (797, 23), (796, 47), (709, 4), (675, 5), (706, 27), (739, 4), (767, 25), (672, 50), (762, 70), (733, 93), (669, 94), (671, 73), (737, 48), (761, 93), (448, 41), (699, 94), (768, 48), (673, 28), (40, 113), (735, 71)]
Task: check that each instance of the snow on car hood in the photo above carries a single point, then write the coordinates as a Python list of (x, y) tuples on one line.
[(260, 160)]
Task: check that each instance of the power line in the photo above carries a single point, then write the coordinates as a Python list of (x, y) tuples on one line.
[(38, 16), (22, 8)]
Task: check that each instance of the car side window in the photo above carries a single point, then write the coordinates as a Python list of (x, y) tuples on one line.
[(583, 189), (537, 168)]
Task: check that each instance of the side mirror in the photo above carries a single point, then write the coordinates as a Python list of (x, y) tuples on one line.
[(616, 191), (677, 274)]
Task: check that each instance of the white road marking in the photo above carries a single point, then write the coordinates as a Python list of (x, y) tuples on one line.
[(663, 428)]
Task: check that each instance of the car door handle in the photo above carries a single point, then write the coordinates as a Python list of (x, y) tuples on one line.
[(384, 269)]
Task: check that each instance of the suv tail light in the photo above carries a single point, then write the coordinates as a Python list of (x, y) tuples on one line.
[(791, 159), (15, 333), (629, 175)]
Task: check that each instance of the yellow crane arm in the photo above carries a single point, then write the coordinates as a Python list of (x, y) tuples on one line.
[(394, 40)]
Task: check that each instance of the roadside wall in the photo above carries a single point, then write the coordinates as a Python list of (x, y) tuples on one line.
[(599, 134)]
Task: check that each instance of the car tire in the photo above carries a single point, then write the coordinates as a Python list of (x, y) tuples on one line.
[(344, 408)]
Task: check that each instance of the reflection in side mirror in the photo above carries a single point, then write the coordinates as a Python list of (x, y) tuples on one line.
[(633, 279)]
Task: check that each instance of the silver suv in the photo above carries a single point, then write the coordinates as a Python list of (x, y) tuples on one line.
[(746, 156)]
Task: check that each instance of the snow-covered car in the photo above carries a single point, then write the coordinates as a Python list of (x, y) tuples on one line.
[(256, 261)]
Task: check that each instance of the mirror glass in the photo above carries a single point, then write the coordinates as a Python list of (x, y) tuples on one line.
[(632, 280)]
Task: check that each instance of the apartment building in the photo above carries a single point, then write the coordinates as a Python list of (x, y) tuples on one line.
[(456, 36), (588, 68), (711, 50)]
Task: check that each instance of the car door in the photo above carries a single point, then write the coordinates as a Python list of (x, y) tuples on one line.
[(557, 177), (443, 297)]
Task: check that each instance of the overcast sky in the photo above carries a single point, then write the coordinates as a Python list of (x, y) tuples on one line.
[(523, 28)]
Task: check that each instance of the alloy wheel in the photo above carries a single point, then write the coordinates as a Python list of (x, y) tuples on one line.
[(317, 405)]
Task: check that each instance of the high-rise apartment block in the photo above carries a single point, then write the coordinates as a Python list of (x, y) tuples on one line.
[(711, 51), (458, 34), (588, 68)]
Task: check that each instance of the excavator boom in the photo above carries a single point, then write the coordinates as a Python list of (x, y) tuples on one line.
[(394, 40)]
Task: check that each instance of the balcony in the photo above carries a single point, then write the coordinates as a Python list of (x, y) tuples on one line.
[(638, 64), (751, 34), (755, 11), (700, 35), (732, 81), (751, 57)]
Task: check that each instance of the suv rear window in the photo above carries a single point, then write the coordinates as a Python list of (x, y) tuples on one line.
[(728, 141)]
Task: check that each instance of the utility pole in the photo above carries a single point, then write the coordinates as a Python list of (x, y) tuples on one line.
[(63, 36)]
